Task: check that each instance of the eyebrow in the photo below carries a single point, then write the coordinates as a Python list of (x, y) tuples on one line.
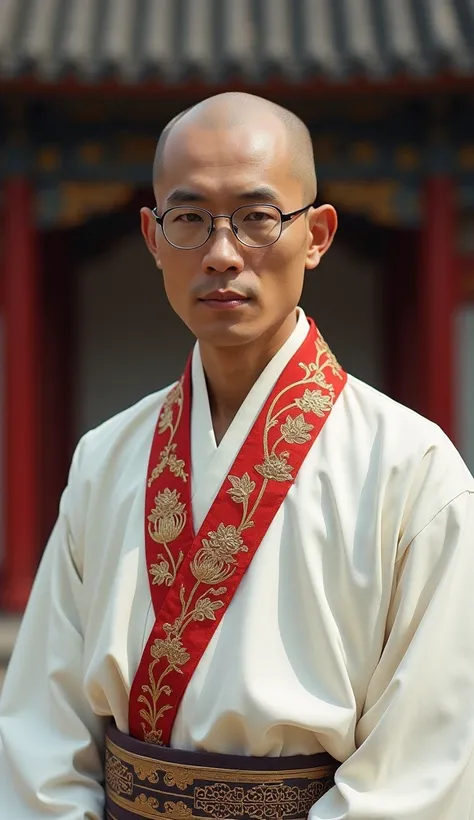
[(180, 195), (261, 194)]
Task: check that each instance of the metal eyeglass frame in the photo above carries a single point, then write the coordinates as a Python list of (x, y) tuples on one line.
[(283, 218)]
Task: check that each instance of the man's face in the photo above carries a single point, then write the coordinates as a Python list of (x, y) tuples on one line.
[(220, 170)]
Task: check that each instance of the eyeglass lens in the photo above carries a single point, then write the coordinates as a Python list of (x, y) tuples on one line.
[(254, 225)]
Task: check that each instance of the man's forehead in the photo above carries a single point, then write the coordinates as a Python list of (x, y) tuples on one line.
[(195, 146), (236, 132)]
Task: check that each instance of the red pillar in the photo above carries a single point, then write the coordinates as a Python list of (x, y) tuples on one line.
[(401, 320), (438, 300), (21, 270), (57, 334)]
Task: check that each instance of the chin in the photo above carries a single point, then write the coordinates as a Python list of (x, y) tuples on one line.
[(230, 335)]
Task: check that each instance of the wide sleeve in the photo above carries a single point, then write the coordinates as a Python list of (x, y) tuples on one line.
[(415, 739), (50, 740)]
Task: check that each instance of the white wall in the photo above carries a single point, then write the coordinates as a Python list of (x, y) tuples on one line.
[(465, 383), (344, 296), (131, 343)]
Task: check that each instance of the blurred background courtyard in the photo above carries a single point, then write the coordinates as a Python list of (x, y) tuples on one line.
[(387, 90)]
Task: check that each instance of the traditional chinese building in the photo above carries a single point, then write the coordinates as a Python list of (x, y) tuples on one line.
[(387, 89)]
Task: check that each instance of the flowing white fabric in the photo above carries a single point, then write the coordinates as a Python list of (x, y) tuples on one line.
[(352, 631)]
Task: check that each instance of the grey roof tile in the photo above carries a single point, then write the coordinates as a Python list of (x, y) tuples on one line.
[(39, 41), (361, 37), (198, 43), (238, 37), (76, 45), (211, 40), (319, 38), (117, 43), (9, 15), (157, 45), (404, 49), (448, 38)]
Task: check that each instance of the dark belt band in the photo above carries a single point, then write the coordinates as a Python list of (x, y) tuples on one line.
[(146, 781)]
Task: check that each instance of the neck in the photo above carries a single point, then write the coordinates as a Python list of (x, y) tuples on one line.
[(231, 372)]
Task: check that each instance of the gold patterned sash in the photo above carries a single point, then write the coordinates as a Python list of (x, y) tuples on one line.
[(144, 781)]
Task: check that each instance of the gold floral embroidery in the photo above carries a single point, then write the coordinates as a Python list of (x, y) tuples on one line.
[(296, 431), (216, 559), (224, 543), (276, 468), (167, 519), (154, 735), (323, 349), (172, 649), (161, 573), (167, 505), (314, 401), (241, 488), (168, 459), (166, 421), (166, 417), (205, 608), (166, 522)]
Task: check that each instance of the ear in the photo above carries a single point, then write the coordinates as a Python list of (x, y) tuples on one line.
[(322, 227), (148, 226)]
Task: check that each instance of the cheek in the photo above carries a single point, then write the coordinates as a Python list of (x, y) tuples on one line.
[(284, 260), (178, 269), (290, 248), (281, 272)]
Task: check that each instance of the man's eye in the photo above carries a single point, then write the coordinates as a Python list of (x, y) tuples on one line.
[(257, 216), (189, 217)]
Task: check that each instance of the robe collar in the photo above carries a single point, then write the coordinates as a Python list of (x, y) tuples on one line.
[(211, 463)]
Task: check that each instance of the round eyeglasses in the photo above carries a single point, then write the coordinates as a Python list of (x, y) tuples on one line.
[(256, 226)]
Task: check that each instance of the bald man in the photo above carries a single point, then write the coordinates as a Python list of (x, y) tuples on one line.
[(257, 599)]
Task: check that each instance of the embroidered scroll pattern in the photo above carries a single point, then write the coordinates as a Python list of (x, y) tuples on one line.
[(215, 561), (177, 790), (119, 778), (262, 802)]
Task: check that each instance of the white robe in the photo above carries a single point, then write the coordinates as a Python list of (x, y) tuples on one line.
[(352, 631)]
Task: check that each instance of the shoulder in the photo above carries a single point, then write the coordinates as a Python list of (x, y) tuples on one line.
[(377, 406), (119, 441), (392, 424), (415, 460), (107, 474)]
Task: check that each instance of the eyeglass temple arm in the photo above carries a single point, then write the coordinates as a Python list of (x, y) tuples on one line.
[(287, 217), (159, 219)]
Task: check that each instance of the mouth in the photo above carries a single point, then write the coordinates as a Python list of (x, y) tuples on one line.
[(224, 300)]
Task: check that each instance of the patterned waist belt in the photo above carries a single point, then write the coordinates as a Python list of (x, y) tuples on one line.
[(145, 781)]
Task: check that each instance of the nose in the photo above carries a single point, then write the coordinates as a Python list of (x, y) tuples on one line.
[(222, 251)]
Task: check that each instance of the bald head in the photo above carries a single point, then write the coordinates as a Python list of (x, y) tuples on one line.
[(233, 110)]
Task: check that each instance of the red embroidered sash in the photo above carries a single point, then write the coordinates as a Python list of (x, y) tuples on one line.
[(193, 578)]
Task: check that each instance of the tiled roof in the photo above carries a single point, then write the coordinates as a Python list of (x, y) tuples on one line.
[(243, 40)]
